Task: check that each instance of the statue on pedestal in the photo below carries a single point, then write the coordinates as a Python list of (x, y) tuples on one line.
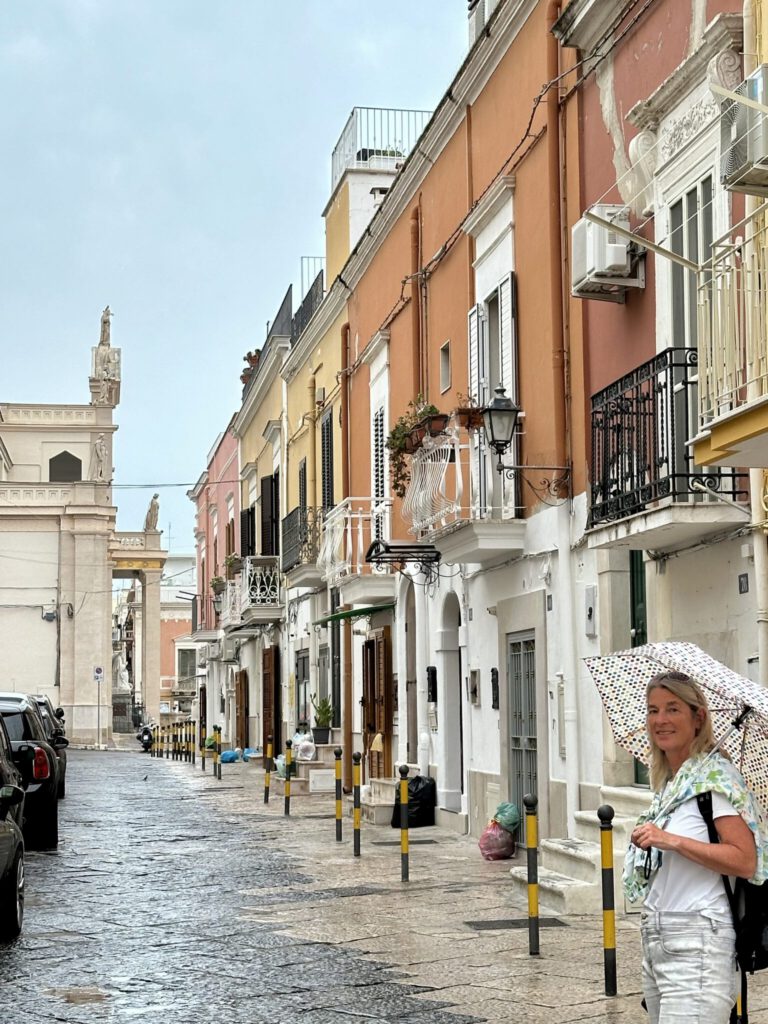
[(103, 352), (99, 469), (153, 512)]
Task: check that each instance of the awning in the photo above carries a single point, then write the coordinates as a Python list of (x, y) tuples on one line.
[(354, 613)]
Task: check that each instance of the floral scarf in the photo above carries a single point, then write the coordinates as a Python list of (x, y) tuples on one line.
[(698, 774)]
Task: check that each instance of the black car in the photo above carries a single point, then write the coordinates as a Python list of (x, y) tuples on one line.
[(11, 865), (53, 723), (10, 775), (36, 758)]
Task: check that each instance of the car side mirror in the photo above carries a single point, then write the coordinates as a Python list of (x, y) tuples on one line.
[(9, 797), (59, 712), (59, 742)]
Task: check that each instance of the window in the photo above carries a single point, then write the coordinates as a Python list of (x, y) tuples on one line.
[(65, 468), (248, 531), (270, 514), (379, 483), (303, 484), (691, 232), (326, 445), (493, 343), (445, 367), (187, 666)]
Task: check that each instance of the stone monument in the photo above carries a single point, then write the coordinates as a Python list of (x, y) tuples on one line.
[(105, 366)]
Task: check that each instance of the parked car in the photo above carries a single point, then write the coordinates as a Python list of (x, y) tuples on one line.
[(53, 722), (10, 775), (11, 864), (39, 766)]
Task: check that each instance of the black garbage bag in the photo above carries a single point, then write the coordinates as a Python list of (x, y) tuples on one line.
[(422, 799)]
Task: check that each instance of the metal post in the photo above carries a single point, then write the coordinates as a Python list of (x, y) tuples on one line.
[(403, 822), (356, 758), (337, 754), (167, 740), (214, 748), (288, 770), (202, 747), (532, 842), (267, 769), (218, 752), (192, 735), (605, 814)]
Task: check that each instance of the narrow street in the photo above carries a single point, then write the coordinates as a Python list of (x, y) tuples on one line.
[(177, 898)]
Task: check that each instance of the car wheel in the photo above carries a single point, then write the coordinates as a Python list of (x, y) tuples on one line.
[(12, 901), (46, 832)]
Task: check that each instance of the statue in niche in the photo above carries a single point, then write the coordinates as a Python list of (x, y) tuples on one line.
[(153, 513), (120, 678), (99, 469)]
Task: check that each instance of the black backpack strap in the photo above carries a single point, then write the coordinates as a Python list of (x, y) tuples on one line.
[(704, 800)]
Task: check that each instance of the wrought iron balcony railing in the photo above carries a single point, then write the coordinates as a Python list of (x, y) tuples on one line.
[(260, 582), (348, 531), (302, 530), (640, 428)]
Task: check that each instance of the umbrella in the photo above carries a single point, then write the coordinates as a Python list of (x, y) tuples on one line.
[(739, 707)]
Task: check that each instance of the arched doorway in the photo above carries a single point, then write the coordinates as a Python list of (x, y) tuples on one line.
[(450, 708)]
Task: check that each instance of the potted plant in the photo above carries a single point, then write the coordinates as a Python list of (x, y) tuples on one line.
[(233, 564), (323, 708), (218, 584), (468, 414), (405, 438)]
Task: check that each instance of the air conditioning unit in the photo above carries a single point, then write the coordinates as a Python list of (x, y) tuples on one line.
[(230, 646), (604, 264), (744, 138), (202, 655)]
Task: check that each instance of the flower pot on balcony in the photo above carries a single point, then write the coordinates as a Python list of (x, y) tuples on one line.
[(436, 423), (416, 436), (469, 417), (218, 585), (234, 565)]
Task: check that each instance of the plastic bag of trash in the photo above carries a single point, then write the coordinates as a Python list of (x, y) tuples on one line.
[(422, 798), (508, 816), (251, 753), (496, 843), (306, 750), (280, 766), (228, 756), (299, 737)]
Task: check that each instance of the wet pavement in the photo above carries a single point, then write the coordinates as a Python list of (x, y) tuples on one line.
[(179, 899)]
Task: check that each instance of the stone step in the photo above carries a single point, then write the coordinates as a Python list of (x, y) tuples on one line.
[(574, 858), (299, 787), (588, 829), (558, 893), (627, 801)]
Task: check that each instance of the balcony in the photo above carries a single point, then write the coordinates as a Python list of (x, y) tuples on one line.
[(457, 501), (205, 619), (647, 491), (376, 139), (229, 615), (348, 531), (301, 538), (260, 593), (733, 359)]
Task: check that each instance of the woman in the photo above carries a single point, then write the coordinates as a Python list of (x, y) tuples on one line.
[(689, 964)]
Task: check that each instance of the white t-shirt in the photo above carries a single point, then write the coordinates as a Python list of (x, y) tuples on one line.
[(680, 884)]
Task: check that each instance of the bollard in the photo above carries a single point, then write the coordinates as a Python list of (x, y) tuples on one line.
[(185, 733), (174, 742), (167, 738), (267, 769), (288, 770), (215, 748), (403, 822), (532, 843), (218, 752), (190, 745), (605, 814), (192, 734), (356, 758), (337, 754), (202, 747)]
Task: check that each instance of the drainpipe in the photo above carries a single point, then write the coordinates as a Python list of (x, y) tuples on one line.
[(311, 468), (562, 452), (416, 302), (346, 721), (470, 202), (759, 540)]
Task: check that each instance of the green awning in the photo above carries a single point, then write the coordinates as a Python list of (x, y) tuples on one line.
[(353, 613)]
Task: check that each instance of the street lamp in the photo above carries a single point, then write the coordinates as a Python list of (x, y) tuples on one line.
[(217, 603), (500, 421)]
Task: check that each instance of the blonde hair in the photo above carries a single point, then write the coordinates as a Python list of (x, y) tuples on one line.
[(682, 686)]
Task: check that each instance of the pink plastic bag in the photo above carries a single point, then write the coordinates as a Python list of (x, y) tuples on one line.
[(496, 843)]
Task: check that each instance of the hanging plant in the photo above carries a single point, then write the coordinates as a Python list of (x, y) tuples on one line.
[(404, 439)]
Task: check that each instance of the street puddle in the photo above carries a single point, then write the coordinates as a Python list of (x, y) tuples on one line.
[(79, 995)]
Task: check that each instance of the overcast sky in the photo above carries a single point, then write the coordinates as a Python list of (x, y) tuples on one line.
[(171, 158)]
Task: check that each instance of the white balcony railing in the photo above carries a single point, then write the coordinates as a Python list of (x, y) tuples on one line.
[(230, 604), (733, 320), (348, 531), (454, 480), (376, 138), (260, 582)]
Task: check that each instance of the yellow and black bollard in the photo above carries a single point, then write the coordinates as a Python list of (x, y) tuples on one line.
[(532, 842), (190, 745), (185, 740), (267, 769), (218, 752), (337, 754), (202, 747), (215, 748), (192, 735), (403, 822), (167, 741), (356, 758), (175, 741), (605, 814), (288, 772)]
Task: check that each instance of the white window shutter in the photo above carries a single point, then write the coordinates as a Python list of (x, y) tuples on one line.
[(508, 336), (473, 334)]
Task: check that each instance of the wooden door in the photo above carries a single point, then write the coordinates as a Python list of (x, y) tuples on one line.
[(377, 700), (271, 720), (241, 709)]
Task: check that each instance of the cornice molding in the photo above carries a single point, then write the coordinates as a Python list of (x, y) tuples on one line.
[(269, 370), (492, 202), (725, 32), (378, 343), (583, 23), (271, 432)]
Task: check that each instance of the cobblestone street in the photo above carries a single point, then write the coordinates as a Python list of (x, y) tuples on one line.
[(176, 898)]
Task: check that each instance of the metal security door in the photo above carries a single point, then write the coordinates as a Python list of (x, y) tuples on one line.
[(272, 712), (242, 709), (521, 677), (303, 708)]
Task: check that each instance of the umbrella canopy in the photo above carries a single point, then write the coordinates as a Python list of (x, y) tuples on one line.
[(622, 679)]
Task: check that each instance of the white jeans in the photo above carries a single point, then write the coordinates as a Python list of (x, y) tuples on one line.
[(689, 967)]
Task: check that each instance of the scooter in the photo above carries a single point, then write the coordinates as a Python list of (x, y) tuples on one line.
[(145, 738)]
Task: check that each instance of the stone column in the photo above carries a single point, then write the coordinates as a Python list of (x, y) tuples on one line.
[(614, 623), (150, 641)]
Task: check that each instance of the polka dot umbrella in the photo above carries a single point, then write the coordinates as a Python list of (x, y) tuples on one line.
[(622, 679)]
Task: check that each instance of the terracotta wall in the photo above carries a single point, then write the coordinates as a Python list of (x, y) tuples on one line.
[(169, 630)]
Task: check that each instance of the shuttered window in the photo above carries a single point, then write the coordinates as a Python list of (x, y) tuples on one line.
[(267, 516), (326, 456), (303, 484), (248, 532), (379, 487)]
